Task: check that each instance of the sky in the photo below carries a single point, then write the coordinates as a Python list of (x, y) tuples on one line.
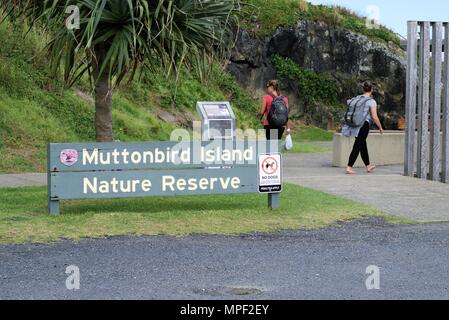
[(394, 14)]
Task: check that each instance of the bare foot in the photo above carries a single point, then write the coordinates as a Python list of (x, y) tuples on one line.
[(370, 168), (350, 171)]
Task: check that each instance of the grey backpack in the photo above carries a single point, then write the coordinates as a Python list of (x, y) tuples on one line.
[(357, 112)]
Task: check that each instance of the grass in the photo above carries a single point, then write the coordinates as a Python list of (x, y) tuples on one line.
[(24, 217), (264, 16), (307, 148), (309, 134)]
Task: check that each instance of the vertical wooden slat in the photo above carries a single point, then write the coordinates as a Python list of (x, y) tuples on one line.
[(410, 108), (445, 109), (435, 101), (423, 100)]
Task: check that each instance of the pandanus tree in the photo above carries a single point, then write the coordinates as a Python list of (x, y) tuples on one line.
[(110, 40)]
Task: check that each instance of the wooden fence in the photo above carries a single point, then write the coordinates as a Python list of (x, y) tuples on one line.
[(427, 101)]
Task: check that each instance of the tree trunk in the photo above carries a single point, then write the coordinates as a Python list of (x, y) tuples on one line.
[(103, 100)]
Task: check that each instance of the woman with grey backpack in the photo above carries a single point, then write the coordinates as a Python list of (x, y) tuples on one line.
[(360, 115)]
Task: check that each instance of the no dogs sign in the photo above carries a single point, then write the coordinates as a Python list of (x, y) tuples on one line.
[(270, 175)]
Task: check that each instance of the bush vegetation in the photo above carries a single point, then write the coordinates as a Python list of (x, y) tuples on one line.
[(265, 16)]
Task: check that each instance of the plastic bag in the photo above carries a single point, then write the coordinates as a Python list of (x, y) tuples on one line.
[(288, 142)]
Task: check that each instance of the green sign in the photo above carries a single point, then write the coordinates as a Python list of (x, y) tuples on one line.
[(141, 169)]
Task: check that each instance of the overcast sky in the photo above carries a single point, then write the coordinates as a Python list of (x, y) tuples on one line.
[(395, 13)]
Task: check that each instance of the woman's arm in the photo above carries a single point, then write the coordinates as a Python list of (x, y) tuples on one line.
[(375, 117), (263, 108)]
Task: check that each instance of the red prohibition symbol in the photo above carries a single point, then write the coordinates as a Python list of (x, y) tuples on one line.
[(269, 165)]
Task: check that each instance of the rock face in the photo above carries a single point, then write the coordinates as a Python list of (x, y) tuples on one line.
[(348, 57)]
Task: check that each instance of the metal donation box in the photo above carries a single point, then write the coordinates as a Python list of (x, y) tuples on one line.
[(217, 120)]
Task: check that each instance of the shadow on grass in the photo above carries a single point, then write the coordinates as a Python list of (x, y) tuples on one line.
[(22, 203), (158, 204)]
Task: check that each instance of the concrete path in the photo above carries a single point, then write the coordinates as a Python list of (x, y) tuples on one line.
[(386, 189), (22, 180)]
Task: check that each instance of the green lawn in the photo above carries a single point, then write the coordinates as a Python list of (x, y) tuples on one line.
[(24, 217), (303, 141), (313, 134)]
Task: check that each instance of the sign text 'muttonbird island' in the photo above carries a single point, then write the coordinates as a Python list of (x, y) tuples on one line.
[(167, 155), (115, 170)]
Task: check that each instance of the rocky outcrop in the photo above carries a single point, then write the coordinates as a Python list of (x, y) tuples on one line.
[(346, 56)]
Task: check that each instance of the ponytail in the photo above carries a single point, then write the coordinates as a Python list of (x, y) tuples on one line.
[(275, 85)]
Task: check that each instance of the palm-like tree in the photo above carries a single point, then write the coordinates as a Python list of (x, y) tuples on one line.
[(116, 38)]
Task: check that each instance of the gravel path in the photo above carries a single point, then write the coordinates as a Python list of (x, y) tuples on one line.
[(323, 264)]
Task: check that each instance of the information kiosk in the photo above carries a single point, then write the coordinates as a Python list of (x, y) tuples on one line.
[(217, 120)]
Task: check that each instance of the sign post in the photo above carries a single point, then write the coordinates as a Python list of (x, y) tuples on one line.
[(53, 204), (274, 200), (270, 177)]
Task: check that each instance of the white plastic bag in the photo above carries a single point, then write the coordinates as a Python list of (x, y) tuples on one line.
[(288, 142)]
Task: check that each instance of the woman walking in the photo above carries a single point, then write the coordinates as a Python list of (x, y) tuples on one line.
[(361, 132), (273, 99)]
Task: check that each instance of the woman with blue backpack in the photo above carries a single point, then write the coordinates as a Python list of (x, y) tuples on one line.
[(274, 111), (360, 115)]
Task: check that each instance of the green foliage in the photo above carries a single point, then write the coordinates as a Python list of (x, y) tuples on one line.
[(311, 86), (36, 108), (264, 16), (113, 39), (117, 37)]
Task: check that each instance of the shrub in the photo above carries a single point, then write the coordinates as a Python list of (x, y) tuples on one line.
[(311, 86)]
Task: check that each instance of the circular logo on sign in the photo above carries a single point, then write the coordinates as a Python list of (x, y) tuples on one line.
[(68, 157), (270, 165)]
